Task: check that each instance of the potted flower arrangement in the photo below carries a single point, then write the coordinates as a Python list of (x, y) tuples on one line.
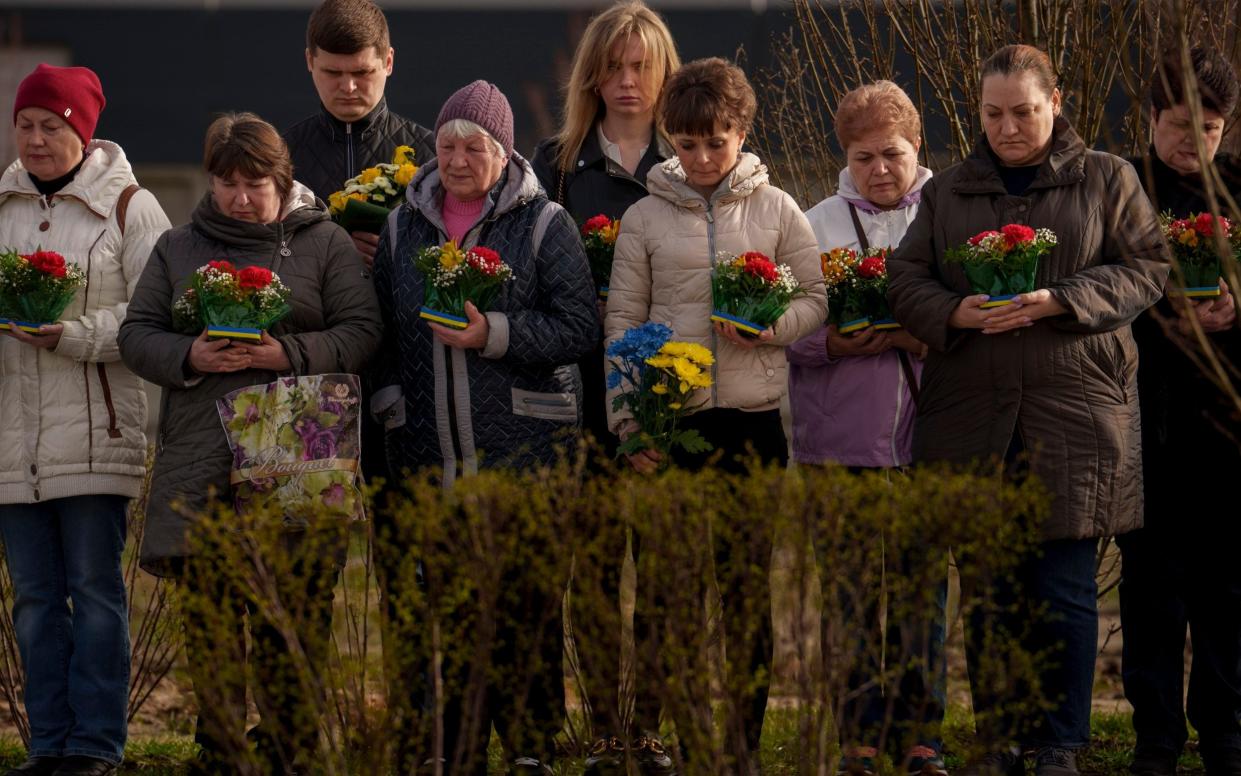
[(453, 277), (857, 289), (231, 303), (751, 291), (599, 238), (1003, 264), (1193, 243), (35, 288)]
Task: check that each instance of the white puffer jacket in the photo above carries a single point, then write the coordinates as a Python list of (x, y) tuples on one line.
[(662, 273), (72, 418)]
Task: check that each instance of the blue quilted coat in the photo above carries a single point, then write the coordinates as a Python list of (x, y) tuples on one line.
[(511, 404)]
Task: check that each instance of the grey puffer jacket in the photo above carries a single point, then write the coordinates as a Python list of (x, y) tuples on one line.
[(334, 326), (508, 404)]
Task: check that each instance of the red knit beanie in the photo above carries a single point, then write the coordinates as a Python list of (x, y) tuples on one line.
[(73, 93), (485, 105)]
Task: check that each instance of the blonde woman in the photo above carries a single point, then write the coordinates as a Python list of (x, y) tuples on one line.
[(597, 164)]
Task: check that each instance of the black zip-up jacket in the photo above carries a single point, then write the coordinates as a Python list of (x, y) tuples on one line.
[(596, 186), (327, 152), (1183, 449)]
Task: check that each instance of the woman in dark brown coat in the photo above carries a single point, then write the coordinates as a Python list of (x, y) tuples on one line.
[(1049, 379)]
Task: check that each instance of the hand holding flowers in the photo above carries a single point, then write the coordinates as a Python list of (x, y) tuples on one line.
[(749, 294), (35, 288), (657, 377)]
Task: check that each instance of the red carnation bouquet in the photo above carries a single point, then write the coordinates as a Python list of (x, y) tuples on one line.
[(599, 238), (35, 288), (1194, 246), (453, 277), (1003, 264), (857, 289), (751, 291), (231, 303)]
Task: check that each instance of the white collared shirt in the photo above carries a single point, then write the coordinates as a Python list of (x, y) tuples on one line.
[(613, 150)]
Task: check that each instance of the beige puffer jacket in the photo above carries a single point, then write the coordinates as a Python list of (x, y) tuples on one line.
[(72, 418), (662, 273)]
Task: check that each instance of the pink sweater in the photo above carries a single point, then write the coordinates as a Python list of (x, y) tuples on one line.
[(460, 216)]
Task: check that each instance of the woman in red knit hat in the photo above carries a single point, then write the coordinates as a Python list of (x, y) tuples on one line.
[(72, 447)]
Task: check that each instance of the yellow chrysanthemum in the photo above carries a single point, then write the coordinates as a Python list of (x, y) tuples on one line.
[(685, 368), (336, 201), (360, 196), (369, 175), (702, 380), (659, 389), (674, 405), (451, 256), (403, 155), (405, 174), (660, 361)]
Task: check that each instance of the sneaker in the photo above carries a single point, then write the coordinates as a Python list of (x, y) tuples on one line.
[(925, 761), (529, 766), (1153, 762), (1054, 761), (1006, 762), (651, 756), (1221, 761), (606, 756), (858, 761)]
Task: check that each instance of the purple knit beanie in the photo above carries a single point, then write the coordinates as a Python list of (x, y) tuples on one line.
[(485, 105)]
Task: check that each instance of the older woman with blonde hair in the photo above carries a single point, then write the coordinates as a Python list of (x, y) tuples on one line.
[(853, 400)]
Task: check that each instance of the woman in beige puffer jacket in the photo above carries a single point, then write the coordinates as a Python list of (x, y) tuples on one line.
[(72, 447), (713, 198)]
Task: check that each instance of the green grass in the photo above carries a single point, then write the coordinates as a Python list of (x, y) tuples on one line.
[(1108, 755)]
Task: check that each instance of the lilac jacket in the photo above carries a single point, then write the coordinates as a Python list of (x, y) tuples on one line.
[(855, 411)]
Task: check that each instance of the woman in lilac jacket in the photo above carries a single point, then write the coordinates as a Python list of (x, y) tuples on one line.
[(853, 400)]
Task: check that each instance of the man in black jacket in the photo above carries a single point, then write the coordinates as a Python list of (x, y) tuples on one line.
[(1180, 569), (349, 56)]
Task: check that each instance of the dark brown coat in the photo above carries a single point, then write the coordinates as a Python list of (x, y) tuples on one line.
[(1066, 384)]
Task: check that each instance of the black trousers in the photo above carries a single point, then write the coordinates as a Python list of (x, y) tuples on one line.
[(1180, 572), (287, 672), (743, 567)]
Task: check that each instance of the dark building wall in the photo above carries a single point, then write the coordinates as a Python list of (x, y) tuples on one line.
[(166, 73)]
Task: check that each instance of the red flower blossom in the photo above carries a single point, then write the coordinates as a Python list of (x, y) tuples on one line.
[(484, 260), (222, 266), (254, 277), (595, 223), (978, 238), (1204, 224), (1017, 234), (872, 267), (760, 266), (47, 262)]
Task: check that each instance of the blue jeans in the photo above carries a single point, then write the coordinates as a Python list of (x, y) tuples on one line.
[(76, 661), (1047, 607)]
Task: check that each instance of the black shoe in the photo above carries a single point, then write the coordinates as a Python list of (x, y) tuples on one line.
[(1153, 762), (35, 766), (605, 757), (651, 756), (1054, 761), (1221, 762), (1007, 762), (81, 765)]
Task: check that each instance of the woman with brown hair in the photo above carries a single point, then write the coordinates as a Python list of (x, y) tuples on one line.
[(713, 197), (254, 214), (597, 164), (1046, 383)]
